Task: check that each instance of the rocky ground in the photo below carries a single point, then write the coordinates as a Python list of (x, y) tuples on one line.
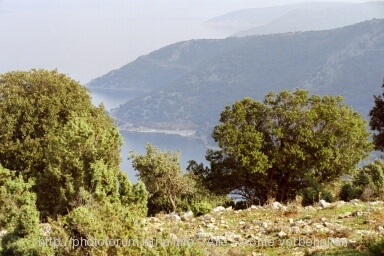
[(341, 228)]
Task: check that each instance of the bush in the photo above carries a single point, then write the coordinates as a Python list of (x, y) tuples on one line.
[(51, 132), (367, 184), (376, 248), (349, 191), (99, 221), (19, 216), (315, 191), (201, 208)]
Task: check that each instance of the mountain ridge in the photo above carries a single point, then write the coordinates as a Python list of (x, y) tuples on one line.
[(345, 61)]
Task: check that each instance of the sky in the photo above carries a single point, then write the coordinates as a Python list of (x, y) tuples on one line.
[(88, 38)]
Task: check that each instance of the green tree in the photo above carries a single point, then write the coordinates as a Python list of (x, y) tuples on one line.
[(377, 121), (367, 183), (278, 147), (161, 174), (18, 216), (51, 132)]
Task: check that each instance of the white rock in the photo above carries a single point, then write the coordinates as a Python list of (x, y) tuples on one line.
[(281, 234), (324, 204), (218, 209), (186, 216), (173, 216), (3, 232), (276, 205)]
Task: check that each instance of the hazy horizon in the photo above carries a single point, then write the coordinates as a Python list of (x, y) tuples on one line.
[(86, 39)]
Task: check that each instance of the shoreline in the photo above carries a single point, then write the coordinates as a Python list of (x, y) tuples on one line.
[(183, 133)]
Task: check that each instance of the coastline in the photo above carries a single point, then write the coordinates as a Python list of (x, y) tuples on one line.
[(183, 133)]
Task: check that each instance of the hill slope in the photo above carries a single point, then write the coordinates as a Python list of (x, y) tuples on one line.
[(347, 61), (307, 19), (254, 17)]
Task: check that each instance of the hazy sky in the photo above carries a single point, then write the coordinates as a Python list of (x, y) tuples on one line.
[(88, 38)]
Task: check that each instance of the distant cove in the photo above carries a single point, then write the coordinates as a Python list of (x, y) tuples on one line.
[(190, 148)]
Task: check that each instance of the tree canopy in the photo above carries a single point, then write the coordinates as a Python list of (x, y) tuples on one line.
[(161, 174), (377, 121), (275, 148), (51, 133)]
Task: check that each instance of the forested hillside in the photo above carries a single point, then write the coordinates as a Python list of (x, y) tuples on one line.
[(185, 85)]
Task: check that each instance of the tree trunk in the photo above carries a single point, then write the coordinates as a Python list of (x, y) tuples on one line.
[(172, 202)]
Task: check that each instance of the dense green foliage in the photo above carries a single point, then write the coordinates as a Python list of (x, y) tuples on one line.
[(377, 121), (19, 216), (161, 174), (59, 164), (285, 144), (366, 184), (51, 132)]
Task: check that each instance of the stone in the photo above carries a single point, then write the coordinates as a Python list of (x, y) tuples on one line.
[(282, 234), (217, 239), (211, 226), (187, 216), (344, 215), (276, 205), (173, 216), (324, 204), (218, 209), (3, 232)]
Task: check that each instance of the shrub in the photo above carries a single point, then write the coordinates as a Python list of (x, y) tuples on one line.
[(367, 184), (19, 216), (201, 208), (348, 192)]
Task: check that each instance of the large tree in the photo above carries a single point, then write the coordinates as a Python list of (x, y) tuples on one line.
[(160, 171), (377, 121), (275, 148), (51, 133)]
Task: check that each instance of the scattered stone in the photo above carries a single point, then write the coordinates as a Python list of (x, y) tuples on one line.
[(380, 230), (376, 203), (187, 216), (339, 203), (344, 215), (309, 208), (217, 239), (173, 216), (276, 205), (218, 209), (282, 234), (3, 232), (45, 227), (210, 226), (324, 204), (202, 235)]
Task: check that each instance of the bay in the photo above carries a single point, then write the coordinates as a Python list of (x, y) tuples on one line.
[(189, 148)]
